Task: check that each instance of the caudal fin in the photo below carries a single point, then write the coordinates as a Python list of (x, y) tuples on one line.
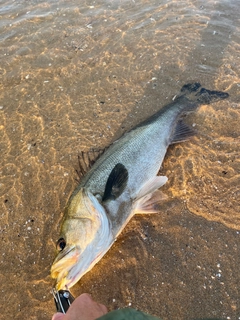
[(202, 95), (207, 96)]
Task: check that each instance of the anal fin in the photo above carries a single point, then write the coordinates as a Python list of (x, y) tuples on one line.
[(149, 203), (149, 196)]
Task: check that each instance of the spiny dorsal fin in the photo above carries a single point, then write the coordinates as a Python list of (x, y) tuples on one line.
[(116, 182), (182, 133), (86, 161)]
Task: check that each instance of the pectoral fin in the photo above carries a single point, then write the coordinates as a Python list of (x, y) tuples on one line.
[(116, 183)]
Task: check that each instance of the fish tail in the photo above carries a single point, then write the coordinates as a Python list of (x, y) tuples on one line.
[(192, 96), (197, 93)]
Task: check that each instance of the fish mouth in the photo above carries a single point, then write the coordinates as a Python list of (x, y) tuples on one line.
[(63, 265), (73, 264), (62, 254)]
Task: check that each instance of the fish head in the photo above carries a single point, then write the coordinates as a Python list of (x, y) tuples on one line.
[(85, 224)]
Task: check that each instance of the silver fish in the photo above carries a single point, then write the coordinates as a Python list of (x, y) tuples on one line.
[(121, 183)]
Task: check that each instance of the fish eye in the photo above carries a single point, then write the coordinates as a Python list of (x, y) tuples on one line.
[(61, 244)]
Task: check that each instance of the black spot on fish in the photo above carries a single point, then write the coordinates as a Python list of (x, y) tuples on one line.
[(116, 182)]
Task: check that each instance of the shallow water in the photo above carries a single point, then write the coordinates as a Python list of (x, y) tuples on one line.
[(75, 75)]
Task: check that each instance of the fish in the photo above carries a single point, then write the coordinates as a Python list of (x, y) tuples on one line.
[(124, 181)]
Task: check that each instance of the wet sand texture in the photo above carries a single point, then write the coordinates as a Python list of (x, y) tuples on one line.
[(75, 76)]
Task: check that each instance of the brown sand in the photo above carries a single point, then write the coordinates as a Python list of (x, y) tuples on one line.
[(75, 76)]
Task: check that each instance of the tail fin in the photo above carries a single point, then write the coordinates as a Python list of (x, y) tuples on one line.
[(202, 95), (207, 96)]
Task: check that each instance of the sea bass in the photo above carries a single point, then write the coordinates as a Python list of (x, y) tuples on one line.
[(121, 183)]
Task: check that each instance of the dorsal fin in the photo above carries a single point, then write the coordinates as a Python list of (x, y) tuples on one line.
[(116, 182), (86, 161)]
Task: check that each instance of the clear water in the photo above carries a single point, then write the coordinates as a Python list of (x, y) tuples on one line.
[(75, 75)]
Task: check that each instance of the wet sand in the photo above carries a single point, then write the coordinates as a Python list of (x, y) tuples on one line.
[(76, 76)]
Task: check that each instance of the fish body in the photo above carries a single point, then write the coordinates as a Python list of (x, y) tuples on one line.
[(122, 182)]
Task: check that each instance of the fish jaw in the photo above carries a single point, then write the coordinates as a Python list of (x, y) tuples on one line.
[(69, 269), (62, 266), (71, 274)]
